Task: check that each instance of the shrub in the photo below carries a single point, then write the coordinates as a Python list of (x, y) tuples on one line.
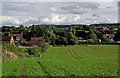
[(42, 40), (35, 51), (44, 47), (80, 38), (90, 41), (24, 42), (106, 40), (10, 47)]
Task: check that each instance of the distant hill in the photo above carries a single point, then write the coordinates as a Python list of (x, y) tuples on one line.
[(96, 25)]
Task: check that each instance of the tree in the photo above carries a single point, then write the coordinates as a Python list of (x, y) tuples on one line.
[(92, 35), (72, 39), (33, 30), (71, 29), (74, 30), (40, 32), (117, 36), (61, 40), (106, 40), (21, 28), (52, 37)]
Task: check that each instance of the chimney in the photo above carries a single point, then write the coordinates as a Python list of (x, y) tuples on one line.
[(11, 40), (21, 33)]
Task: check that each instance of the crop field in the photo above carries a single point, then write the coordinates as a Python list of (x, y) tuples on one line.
[(91, 60)]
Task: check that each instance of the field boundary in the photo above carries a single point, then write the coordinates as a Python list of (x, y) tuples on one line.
[(22, 70), (43, 69), (75, 53), (74, 56)]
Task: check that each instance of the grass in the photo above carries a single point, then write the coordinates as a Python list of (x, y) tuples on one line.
[(92, 60)]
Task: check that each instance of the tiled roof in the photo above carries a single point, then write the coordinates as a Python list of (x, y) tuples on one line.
[(36, 38), (16, 34), (34, 42)]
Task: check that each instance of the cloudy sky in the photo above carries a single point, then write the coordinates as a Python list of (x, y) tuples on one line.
[(27, 13)]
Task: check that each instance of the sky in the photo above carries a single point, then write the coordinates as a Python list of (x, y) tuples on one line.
[(65, 13)]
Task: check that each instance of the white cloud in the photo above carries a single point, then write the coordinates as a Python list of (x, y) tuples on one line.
[(57, 0), (30, 19), (76, 17), (53, 9), (10, 20), (59, 13), (55, 18)]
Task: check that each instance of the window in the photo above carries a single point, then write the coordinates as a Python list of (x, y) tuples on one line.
[(17, 38)]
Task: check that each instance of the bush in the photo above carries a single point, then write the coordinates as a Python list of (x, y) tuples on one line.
[(10, 47), (106, 40), (80, 38), (24, 42), (90, 41), (42, 40), (44, 47), (35, 51)]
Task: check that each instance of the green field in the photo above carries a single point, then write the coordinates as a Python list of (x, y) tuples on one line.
[(92, 60)]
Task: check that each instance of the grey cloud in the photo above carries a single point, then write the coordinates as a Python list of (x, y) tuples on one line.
[(110, 7), (25, 9), (95, 15), (78, 12), (37, 13), (80, 8), (91, 5)]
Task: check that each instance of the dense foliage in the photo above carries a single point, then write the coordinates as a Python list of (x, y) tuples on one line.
[(62, 34)]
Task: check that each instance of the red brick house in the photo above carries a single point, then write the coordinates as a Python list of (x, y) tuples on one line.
[(18, 38), (13, 38), (8, 39)]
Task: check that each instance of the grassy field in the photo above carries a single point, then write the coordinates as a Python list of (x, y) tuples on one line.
[(92, 60)]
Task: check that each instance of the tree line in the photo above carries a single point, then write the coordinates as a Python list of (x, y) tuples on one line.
[(63, 34)]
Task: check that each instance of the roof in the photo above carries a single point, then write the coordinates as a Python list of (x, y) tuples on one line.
[(102, 28), (36, 38), (6, 38), (34, 42), (16, 34), (83, 40)]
